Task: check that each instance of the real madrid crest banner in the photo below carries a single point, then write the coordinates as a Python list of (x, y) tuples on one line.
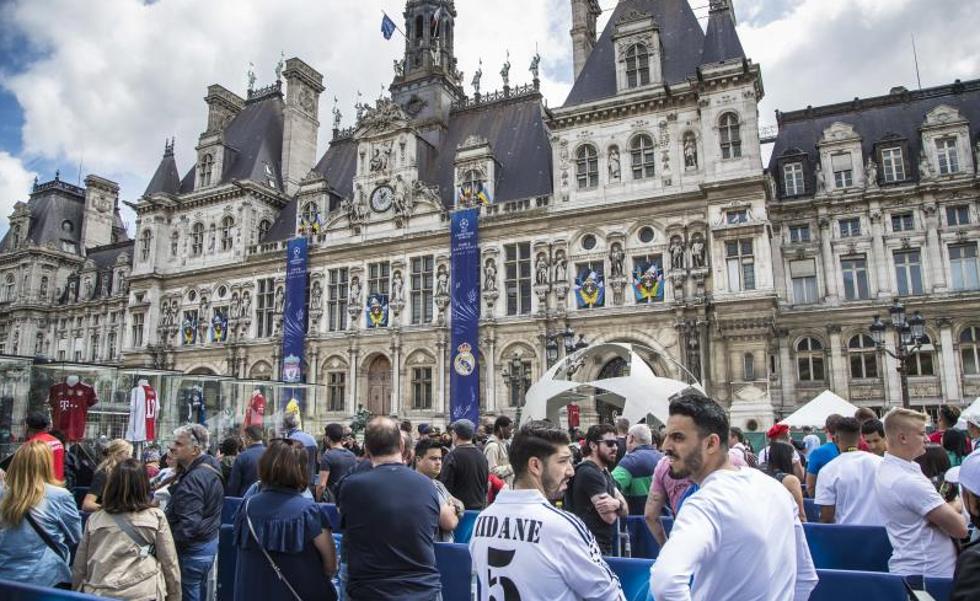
[(294, 312), (464, 372), (376, 311)]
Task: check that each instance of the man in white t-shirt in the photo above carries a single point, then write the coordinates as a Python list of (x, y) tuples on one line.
[(921, 525), (523, 547), (810, 440), (739, 537), (846, 488)]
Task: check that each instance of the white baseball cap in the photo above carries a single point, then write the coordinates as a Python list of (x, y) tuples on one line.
[(969, 476)]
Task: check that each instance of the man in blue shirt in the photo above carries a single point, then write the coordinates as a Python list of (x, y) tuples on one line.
[(245, 470), (822, 455), (291, 423), (390, 515), (335, 463)]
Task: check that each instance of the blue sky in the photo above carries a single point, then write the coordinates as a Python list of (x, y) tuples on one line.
[(103, 83)]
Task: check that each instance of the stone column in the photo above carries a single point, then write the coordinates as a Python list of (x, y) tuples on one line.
[(442, 400), (933, 255), (829, 264), (490, 386), (787, 373), (951, 381), (396, 375), (893, 382), (879, 256), (350, 405), (778, 267), (838, 362)]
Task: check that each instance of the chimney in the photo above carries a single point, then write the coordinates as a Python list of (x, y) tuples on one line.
[(585, 13), (303, 88), (223, 105), (101, 203)]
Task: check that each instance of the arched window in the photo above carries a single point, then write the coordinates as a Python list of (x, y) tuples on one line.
[(731, 136), (44, 287), (921, 363), (226, 226), (863, 357), (207, 167), (174, 243), (643, 156), (637, 66), (197, 240), (264, 226), (809, 360), (310, 213), (474, 179), (587, 166), (970, 350), (146, 239)]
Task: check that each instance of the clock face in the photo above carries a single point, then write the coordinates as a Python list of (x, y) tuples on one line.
[(381, 198)]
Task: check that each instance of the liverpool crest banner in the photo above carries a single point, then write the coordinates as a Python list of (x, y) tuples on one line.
[(294, 311), (464, 372)]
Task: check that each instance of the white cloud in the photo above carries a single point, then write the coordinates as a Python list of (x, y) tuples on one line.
[(116, 77), (15, 184)]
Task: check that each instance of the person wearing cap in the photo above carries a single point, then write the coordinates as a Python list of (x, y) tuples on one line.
[(822, 455), (973, 429), (780, 433), (38, 425), (465, 469), (966, 577)]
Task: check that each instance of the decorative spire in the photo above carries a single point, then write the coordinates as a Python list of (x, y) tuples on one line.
[(279, 65), (505, 71), (168, 147), (251, 76)]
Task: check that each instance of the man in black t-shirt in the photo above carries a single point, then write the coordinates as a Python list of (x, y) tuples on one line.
[(465, 470), (335, 463), (594, 497), (390, 515)]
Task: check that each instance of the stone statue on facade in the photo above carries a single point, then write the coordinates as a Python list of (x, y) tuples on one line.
[(871, 173), (280, 302), (676, 253), (490, 275), (251, 76), (690, 151), (561, 268), (821, 182), (236, 306), (397, 288), (246, 304), (697, 251), (337, 116), (925, 170), (541, 270), (617, 259), (400, 198), (354, 294), (615, 169), (535, 67), (477, 77), (316, 296), (399, 67), (442, 282), (505, 71)]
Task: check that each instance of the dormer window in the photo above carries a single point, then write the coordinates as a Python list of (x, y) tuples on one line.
[(197, 240), (264, 227), (737, 216), (146, 238), (226, 232), (637, 66), (843, 170), (207, 167), (587, 166), (730, 134), (643, 156), (892, 165), (793, 183), (947, 156)]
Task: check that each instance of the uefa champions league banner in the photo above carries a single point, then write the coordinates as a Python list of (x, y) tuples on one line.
[(464, 375), (294, 321)]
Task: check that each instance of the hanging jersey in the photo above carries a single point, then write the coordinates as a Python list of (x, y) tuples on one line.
[(255, 412), (142, 414), (150, 402), (523, 548), (69, 408), (293, 407), (196, 410)]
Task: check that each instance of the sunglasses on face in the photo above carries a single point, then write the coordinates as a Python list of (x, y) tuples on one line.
[(609, 443)]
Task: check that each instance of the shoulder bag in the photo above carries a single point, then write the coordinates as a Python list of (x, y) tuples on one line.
[(272, 562)]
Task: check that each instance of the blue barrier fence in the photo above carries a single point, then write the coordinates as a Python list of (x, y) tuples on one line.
[(812, 511)]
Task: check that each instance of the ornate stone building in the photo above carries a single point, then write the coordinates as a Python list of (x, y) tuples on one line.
[(648, 180)]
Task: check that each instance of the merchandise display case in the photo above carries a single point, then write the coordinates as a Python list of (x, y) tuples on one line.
[(205, 400), (141, 414), (80, 398), (15, 385)]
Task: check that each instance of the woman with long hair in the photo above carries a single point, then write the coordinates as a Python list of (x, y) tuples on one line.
[(284, 544), (116, 451), (39, 522), (127, 551), (780, 467)]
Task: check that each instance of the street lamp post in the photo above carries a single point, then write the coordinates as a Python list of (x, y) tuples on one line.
[(515, 377), (911, 334)]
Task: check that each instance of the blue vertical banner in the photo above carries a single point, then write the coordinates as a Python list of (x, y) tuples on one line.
[(464, 372), (294, 315)]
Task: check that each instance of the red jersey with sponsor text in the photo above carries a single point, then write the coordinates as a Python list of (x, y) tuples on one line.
[(69, 408)]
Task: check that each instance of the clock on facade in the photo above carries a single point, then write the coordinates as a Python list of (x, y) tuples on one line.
[(381, 198)]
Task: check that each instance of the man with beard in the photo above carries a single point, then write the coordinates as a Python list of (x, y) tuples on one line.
[(522, 546), (736, 514), (593, 494)]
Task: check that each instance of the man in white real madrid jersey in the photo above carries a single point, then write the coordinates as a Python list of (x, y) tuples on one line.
[(523, 548)]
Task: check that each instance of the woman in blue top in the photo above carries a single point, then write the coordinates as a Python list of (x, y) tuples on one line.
[(39, 521), (278, 531)]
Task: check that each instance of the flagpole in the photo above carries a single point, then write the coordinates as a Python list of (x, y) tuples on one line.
[(397, 28)]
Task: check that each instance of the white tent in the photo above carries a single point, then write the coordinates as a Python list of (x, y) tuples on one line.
[(972, 411), (639, 394), (816, 412)]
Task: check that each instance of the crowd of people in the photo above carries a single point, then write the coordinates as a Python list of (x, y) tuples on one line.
[(551, 505)]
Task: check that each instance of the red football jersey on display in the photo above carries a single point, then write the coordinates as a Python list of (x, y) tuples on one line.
[(573, 415), (151, 412), (255, 412), (69, 407)]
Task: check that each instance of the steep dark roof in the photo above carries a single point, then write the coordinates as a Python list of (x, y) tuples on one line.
[(898, 115), (166, 180), (721, 41), (51, 204), (105, 257), (255, 139), (681, 38), (339, 165)]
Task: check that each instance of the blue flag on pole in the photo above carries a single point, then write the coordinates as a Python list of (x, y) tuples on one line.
[(387, 27)]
